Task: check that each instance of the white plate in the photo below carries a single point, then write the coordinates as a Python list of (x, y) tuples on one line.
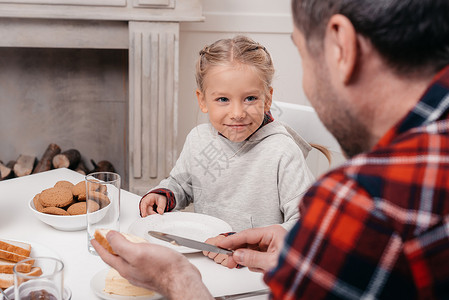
[(97, 285), (41, 250), (193, 226)]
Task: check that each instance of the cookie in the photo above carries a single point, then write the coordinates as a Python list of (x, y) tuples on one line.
[(103, 189), (57, 197), (64, 184), (93, 206), (37, 203), (100, 198), (78, 208), (55, 211), (93, 185), (79, 191)]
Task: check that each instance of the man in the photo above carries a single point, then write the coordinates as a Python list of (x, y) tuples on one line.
[(377, 227)]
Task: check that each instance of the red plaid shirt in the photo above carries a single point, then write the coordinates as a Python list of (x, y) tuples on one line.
[(378, 226)]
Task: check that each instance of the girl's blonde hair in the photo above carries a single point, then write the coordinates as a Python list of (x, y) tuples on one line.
[(239, 49)]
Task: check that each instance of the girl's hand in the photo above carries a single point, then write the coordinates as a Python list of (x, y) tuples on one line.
[(149, 201), (221, 259)]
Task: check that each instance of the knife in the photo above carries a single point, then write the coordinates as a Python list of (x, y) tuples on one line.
[(181, 241)]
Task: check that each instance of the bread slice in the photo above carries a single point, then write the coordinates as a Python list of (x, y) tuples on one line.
[(116, 284), (15, 247), (35, 271), (6, 255), (100, 237), (7, 266), (7, 280)]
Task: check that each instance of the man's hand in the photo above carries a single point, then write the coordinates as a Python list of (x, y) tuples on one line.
[(154, 267), (256, 248)]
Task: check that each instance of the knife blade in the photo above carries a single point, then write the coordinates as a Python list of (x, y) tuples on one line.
[(182, 241)]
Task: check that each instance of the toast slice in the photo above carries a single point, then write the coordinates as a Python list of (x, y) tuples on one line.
[(11, 256), (100, 237), (7, 266), (21, 248), (7, 280)]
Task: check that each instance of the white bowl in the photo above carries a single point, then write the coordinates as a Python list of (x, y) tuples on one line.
[(66, 223)]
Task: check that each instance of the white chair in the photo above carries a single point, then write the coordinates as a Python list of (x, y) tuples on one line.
[(304, 120)]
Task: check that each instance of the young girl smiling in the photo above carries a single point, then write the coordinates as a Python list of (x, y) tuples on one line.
[(242, 167)]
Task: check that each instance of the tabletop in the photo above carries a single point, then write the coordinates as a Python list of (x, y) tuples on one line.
[(17, 222)]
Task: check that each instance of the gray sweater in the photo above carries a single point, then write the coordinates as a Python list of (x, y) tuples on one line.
[(253, 183)]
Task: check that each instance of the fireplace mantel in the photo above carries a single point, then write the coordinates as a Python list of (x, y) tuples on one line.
[(149, 29)]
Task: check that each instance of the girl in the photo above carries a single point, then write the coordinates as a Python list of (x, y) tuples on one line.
[(243, 167)]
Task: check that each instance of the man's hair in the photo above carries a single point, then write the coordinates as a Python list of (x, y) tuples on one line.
[(411, 35)]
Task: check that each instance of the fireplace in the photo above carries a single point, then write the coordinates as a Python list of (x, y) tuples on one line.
[(114, 57)]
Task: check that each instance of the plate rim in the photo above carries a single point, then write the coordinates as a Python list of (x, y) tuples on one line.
[(181, 249)]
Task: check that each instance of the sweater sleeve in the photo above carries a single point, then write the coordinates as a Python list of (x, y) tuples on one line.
[(294, 179)]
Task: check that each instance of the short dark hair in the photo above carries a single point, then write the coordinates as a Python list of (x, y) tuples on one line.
[(411, 35)]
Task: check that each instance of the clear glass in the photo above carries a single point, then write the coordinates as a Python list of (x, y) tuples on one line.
[(103, 203), (48, 286)]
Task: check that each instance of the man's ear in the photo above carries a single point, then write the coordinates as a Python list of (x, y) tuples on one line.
[(268, 100), (341, 46), (201, 101)]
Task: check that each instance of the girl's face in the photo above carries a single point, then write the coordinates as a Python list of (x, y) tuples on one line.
[(235, 99)]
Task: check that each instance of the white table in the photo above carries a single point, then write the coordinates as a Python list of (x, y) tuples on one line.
[(17, 222)]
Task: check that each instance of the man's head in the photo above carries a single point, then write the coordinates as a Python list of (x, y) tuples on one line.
[(346, 44), (412, 35)]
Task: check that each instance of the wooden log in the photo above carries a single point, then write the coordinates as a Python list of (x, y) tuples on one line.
[(5, 171), (45, 163), (67, 159), (81, 168), (11, 165), (24, 165), (102, 166)]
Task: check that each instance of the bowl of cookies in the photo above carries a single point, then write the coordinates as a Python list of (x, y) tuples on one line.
[(63, 206)]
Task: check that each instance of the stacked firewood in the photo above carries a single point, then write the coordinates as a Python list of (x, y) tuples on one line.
[(52, 158)]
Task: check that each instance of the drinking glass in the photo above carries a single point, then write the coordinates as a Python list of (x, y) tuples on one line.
[(103, 203), (49, 285)]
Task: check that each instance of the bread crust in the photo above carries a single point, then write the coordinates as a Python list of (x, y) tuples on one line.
[(8, 266), (100, 236), (21, 248), (6, 255), (7, 280)]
